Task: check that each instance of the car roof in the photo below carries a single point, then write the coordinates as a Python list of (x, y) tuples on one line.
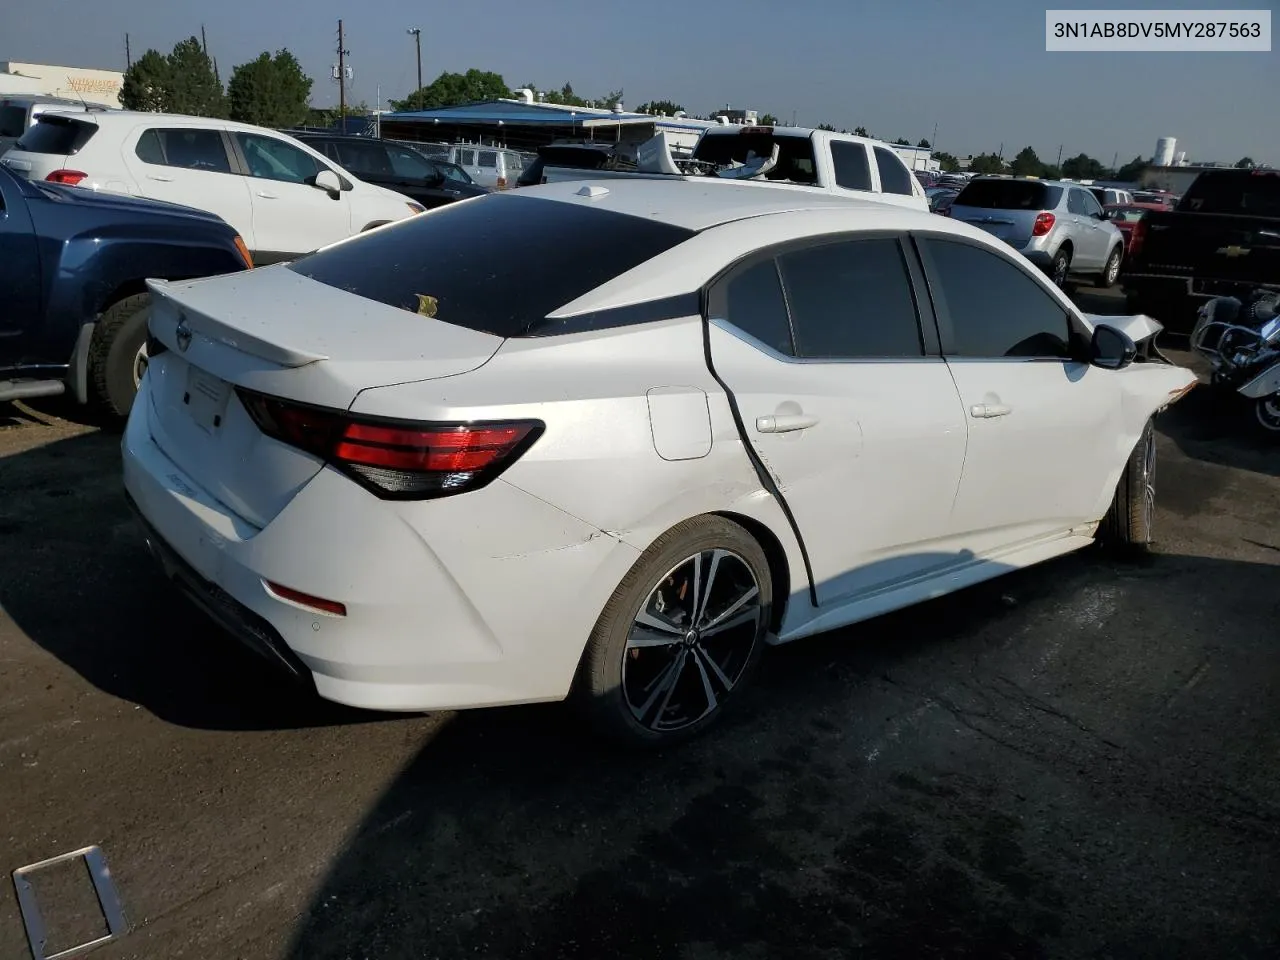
[(133, 117), (698, 203)]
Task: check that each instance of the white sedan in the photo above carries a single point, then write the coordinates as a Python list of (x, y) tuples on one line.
[(606, 441)]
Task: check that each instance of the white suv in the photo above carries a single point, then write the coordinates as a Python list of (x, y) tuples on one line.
[(282, 197)]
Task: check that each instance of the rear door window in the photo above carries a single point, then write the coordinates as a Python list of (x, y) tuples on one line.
[(467, 158), (894, 176), (498, 264), (853, 172), (186, 147), (1075, 202), (753, 303), (851, 300), (410, 164), (488, 159)]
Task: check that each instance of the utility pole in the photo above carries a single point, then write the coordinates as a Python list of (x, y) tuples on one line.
[(416, 32), (342, 78), (933, 144), (204, 45), (128, 57), (1059, 158)]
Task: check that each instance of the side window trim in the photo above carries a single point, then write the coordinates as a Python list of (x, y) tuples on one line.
[(928, 321), (938, 299)]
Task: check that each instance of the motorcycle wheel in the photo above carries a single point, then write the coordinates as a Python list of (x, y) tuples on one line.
[(1266, 412)]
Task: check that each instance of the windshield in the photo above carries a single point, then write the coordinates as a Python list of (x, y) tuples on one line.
[(453, 171), (1008, 195), (498, 264), (1254, 192), (795, 152)]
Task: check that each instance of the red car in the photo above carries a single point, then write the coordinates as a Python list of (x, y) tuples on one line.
[(1125, 215)]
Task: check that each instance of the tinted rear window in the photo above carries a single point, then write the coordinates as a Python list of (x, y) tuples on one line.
[(1252, 192), (60, 135), (498, 264), (1005, 195)]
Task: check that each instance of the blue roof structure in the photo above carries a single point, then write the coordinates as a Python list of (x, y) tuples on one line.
[(519, 114)]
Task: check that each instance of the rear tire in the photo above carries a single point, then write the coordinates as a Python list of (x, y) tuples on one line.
[(1127, 527), (117, 356), (679, 638), (1060, 269), (1266, 414), (1111, 271)]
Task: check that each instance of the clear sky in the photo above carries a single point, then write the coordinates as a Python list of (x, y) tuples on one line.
[(976, 68)]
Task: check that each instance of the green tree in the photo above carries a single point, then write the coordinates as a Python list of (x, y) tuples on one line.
[(946, 161), (924, 144), (661, 108), (862, 132), (769, 120), (269, 91), (826, 126), (193, 88), (146, 83), (1026, 164), (450, 89), (1245, 163), (1132, 170), (1083, 167), (901, 142), (986, 163)]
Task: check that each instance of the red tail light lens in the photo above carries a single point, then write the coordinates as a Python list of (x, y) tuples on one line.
[(68, 177), (1044, 223), (396, 460), (1137, 235)]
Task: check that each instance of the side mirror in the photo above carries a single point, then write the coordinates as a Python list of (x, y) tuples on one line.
[(1111, 349), (328, 181)]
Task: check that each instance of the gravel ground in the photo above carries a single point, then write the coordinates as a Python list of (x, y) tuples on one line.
[(1079, 760)]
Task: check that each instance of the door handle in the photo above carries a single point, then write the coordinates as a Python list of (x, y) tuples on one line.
[(988, 411), (785, 423), (156, 176), (268, 196)]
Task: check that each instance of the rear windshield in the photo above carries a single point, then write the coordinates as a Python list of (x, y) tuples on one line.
[(1253, 192), (498, 264), (60, 135), (13, 120), (795, 153), (1009, 195)]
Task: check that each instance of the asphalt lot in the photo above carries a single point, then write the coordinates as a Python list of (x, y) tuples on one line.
[(1080, 760)]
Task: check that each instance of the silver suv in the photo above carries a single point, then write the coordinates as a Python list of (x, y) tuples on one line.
[(1059, 227)]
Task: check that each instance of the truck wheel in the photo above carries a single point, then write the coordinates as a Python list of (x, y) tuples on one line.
[(1111, 271), (1266, 410), (118, 355)]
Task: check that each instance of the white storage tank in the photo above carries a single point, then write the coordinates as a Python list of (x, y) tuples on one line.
[(1164, 151)]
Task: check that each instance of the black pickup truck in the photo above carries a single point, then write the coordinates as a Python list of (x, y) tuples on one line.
[(1222, 239)]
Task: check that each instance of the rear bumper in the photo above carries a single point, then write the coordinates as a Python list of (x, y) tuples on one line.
[(481, 599)]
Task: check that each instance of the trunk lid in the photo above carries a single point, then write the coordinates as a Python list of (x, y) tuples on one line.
[(276, 332), (1012, 226)]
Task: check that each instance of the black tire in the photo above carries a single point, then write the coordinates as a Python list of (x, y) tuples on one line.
[(1110, 270), (119, 338), (1266, 415), (1060, 268), (1127, 527), (606, 694)]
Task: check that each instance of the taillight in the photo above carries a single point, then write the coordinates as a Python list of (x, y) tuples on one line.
[(1044, 223), (1137, 235), (502, 183), (68, 177), (396, 460)]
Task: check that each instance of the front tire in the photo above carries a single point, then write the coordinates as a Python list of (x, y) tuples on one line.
[(118, 355), (680, 637), (1128, 525)]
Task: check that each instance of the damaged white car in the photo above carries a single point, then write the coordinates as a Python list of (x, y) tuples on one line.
[(607, 441)]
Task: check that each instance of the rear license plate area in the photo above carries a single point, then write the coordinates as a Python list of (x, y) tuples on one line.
[(206, 399)]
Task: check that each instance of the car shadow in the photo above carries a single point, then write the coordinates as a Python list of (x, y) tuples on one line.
[(1215, 425), (946, 781)]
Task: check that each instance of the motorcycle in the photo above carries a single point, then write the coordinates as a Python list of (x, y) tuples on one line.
[(1241, 341)]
